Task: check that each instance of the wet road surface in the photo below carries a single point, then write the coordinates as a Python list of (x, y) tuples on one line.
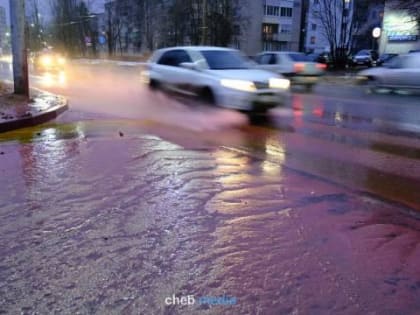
[(367, 142), (309, 212)]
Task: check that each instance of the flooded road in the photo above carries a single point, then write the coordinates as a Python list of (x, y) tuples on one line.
[(366, 142), (131, 198)]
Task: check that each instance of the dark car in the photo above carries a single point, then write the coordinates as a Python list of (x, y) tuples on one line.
[(384, 58), (365, 57), (323, 58)]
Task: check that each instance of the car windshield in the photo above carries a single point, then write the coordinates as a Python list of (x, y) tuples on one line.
[(363, 53), (225, 59), (298, 57)]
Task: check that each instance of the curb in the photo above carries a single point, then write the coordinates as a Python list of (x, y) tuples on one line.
[(37, 119), (109, 62), (344, 79)]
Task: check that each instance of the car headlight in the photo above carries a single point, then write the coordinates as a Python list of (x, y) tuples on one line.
[(276, 83), (46, 61), (242, 85), (61, 61)]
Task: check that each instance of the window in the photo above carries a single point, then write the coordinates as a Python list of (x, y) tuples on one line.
[(270, 29), (313, 39), (271, 10), (297, 57), (174, 58), (267, 59), (224, 59), (313, 26), (286, 11)]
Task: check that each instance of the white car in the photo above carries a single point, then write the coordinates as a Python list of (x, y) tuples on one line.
[(293, 65), (221, 76), (402, 72)]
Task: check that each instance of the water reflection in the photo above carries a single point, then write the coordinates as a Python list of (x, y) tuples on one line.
[(53, 79)]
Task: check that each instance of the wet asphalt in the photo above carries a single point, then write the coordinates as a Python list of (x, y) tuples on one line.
[(131, 197)]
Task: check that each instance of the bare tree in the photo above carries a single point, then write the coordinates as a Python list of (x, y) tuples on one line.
[(207, 22), (338, 26), (113, 26), (36, 34), (151, 24)]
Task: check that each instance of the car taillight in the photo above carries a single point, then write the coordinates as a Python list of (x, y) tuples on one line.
[(321, 66), (299, 67)]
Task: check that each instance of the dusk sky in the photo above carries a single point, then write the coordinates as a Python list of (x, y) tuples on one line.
[(97, 6)]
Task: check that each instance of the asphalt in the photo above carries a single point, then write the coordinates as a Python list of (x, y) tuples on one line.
[(105, 217), (99, 221)]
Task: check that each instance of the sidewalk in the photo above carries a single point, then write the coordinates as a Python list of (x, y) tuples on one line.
[(18, 112)]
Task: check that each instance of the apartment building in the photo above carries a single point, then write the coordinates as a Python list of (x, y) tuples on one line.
[(273, 25), (259, 25), (4, 39), (315, 39), (326, 17)]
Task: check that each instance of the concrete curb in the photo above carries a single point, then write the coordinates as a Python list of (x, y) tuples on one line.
[(36, 119), (340, 79), (109, 62)]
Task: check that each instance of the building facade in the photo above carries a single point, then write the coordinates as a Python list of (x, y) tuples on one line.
[(370, 18), (273, 25), (315, 40), (257, 25), (4, 38), (327, 23)]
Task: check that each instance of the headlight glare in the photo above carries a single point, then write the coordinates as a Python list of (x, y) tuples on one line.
[(242, 85), (61, 61), (277, 83), (46, 61)]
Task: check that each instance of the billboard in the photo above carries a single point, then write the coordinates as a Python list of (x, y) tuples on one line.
[(400, 26)]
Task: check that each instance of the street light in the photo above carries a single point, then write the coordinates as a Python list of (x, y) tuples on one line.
[(376, 33)]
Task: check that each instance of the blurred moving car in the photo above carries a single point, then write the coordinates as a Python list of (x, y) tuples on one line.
[(293, 65), (365, 57), (323, 58), (402, 72), (220, 76), (48, 60), (384, 58)]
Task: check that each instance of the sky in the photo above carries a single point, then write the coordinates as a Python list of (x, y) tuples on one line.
[(5, 4), (98, 6)]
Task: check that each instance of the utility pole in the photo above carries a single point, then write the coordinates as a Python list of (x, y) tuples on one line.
[(20, 60)]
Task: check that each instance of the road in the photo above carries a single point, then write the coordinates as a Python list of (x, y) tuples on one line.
[(312, 210), (366, 142)]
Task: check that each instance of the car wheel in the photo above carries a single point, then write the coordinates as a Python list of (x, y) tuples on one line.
[(154, 85), (372, 85), (207, 97), (309, 88), (259, 112)]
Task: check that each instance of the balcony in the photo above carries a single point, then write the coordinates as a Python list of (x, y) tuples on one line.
[(277, 37)]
